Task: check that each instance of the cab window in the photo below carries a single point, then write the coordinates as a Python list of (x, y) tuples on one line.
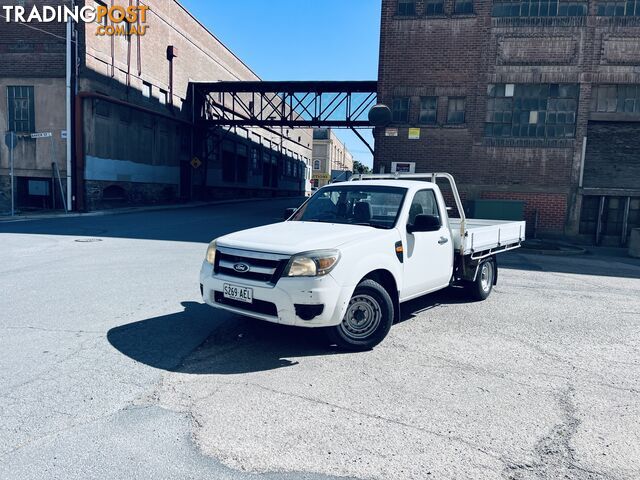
[(424, 202)]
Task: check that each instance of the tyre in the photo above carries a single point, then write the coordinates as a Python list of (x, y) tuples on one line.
[(481, 288), (367, 320)]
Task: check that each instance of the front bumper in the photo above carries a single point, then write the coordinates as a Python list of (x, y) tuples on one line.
[(285, 295)]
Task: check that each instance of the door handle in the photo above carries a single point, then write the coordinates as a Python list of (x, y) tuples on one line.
[(443, 240)]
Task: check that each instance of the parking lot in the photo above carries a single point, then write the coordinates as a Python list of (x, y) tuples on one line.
[(113, 367)]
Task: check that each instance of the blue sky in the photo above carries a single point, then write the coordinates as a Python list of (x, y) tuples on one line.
[(300, 40)]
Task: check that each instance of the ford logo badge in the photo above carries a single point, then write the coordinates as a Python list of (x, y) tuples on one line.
[(241, 267)]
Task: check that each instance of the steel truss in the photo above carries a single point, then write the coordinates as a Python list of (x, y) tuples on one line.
[(305, 104)]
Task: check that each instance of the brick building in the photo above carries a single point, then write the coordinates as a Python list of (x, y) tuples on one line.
[(133, 137), (531, 100)]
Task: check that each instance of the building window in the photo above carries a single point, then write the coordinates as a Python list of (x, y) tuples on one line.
[(316, 164), (21, 109), (532, 110), (406, 7), (428, 111), (162, 96), (616, 99), (105, 19), (618, 8), (539, 8), (435, 7), (455, 110), (463, 6), (146, 89), (400, 110)]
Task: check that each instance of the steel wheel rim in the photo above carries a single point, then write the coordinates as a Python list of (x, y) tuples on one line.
[(362, 318), (486, 276)]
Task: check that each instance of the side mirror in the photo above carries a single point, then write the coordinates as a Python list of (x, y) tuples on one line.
[(289, 212), (424, 223)]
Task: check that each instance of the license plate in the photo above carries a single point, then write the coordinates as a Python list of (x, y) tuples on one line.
[(235, 292)]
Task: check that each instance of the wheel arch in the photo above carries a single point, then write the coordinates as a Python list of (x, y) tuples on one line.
[(388, 281)]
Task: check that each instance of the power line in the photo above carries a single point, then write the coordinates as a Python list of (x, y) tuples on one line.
[(39, 29)]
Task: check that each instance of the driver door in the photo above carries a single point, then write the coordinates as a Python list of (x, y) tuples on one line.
[(428, 262)]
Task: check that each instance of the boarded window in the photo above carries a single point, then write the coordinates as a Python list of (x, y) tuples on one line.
[(428, 110), (616, 98), (455, 110)]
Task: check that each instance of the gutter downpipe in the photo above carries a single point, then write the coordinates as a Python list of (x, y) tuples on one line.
[(69, 145)]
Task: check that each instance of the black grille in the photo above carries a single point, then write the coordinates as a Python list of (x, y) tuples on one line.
[(258, 306), (277, 265)]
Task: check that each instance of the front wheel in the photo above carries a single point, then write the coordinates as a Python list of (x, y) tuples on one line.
[(367, 320), (481, 287)]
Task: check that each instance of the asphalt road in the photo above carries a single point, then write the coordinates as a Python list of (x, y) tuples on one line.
[(112, 368)]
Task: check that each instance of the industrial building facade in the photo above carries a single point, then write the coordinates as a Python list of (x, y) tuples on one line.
[(530, 100), (134, 137)]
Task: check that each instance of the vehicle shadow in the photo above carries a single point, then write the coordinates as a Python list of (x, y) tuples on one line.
[(202, 340), (448, 296)]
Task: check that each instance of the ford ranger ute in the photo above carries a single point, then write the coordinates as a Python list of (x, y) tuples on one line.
[(350, 255)]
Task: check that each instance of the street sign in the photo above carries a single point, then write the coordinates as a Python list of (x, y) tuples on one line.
[(41, 135), (11, 140), (63, 134), (196, 162), (414, 134)]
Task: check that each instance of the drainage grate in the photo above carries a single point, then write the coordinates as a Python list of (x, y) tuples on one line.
[(88, 240)]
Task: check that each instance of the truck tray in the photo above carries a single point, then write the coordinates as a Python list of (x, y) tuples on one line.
[(484, 237)]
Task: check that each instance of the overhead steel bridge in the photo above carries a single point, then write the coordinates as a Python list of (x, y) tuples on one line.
[(302, 104)]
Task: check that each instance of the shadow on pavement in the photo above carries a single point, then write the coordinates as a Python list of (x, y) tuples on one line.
[(195, 224), (203, 340), (233, 345), (590, 264), (448, 296)]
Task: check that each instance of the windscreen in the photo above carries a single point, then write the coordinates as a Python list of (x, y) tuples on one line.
[(374, 206)]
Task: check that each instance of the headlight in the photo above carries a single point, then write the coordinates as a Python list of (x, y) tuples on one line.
[(211, 253), (312, 264)]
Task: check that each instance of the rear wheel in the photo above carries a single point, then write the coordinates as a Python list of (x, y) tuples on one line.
[(481, 287), (367, 320)]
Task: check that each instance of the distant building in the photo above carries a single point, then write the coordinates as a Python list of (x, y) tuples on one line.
[(524, 100), (134, 142), (330, 158)]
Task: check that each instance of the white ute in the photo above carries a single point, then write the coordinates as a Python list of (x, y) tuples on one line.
[(353, 253)]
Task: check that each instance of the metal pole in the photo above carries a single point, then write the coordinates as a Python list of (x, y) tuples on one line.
[(13, 210), (68, 108), (64, 203)]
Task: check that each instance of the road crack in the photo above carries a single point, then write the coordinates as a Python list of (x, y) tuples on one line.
[(554, 453)]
